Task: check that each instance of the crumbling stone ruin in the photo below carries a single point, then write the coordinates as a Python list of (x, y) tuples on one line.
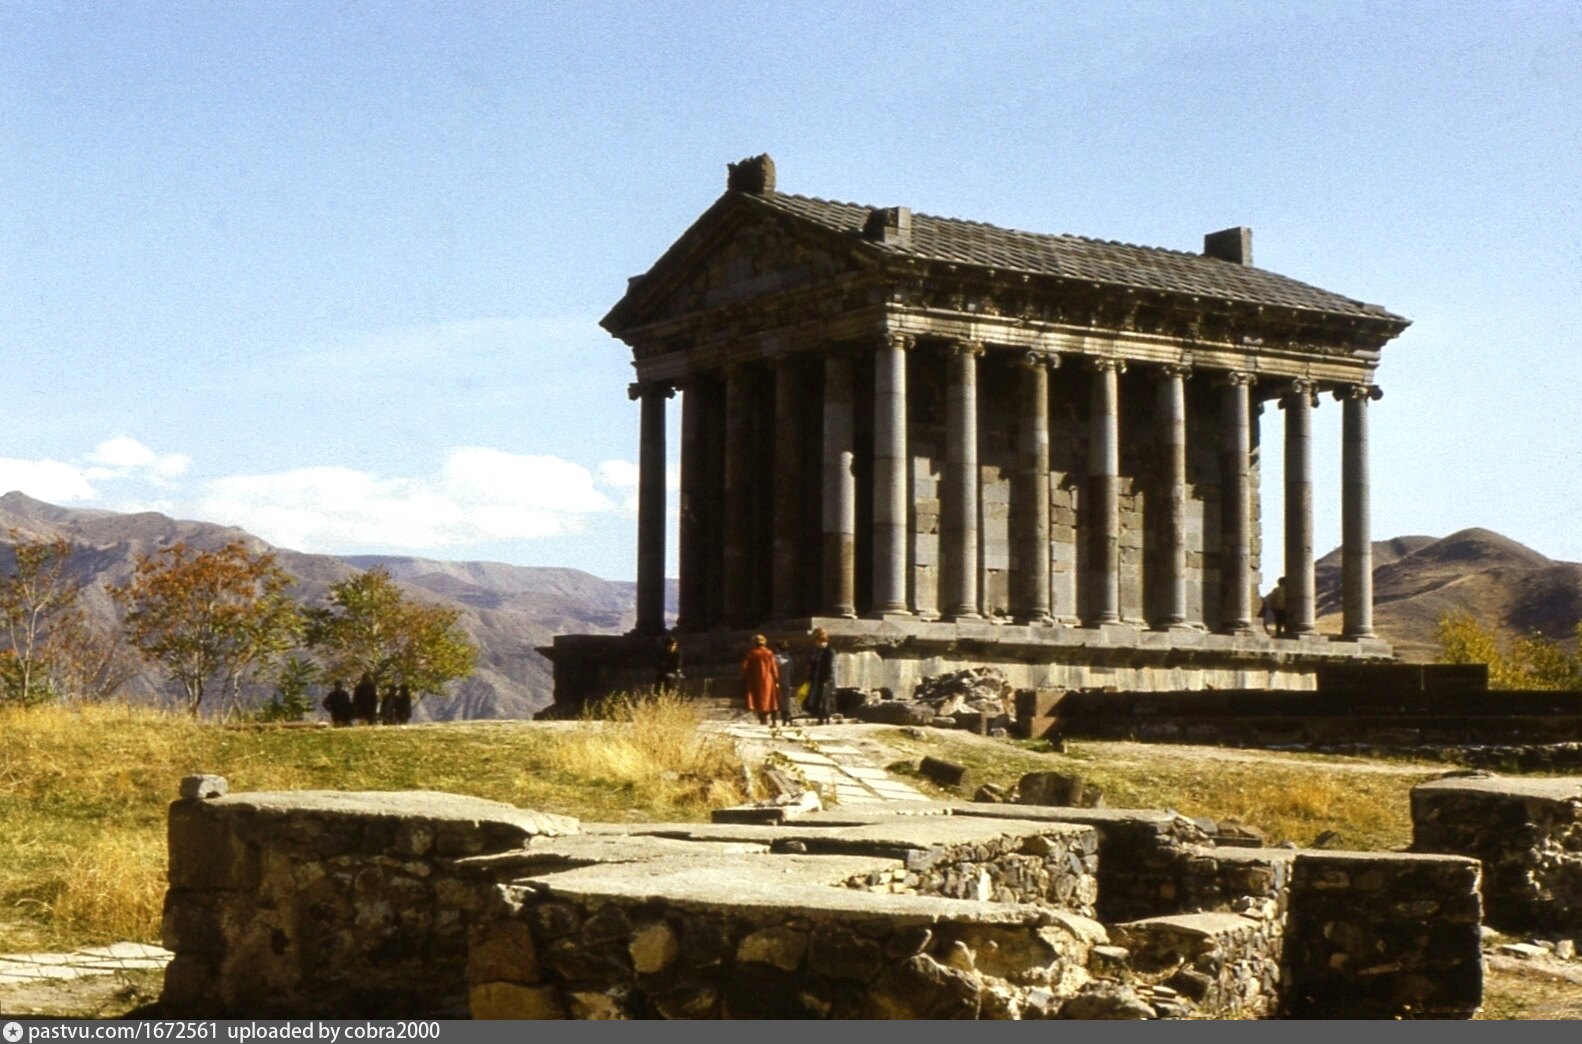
[(403, 904)]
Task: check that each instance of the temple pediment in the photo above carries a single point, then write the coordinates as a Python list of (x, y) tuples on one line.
[(737, 251)]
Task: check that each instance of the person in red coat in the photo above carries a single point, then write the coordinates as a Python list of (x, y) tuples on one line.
[(761, 680)]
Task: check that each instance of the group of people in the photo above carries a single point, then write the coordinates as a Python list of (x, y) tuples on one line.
[(768, 677), (366, 705)]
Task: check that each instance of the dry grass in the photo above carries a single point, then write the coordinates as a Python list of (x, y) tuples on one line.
[(1290, 798), (83, 792)]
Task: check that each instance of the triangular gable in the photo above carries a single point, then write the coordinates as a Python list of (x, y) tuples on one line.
[(737, 250)]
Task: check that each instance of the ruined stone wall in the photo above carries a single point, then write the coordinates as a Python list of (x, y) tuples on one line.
[(1380, 935), (379, 905), (1526, 832), (322, 903), (547, 953)]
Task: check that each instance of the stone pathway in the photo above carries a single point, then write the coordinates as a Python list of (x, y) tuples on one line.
[(18, 968), (836, 759)]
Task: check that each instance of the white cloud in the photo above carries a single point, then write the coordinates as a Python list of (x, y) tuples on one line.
[(49, 480), (125, 457), (479, 495)]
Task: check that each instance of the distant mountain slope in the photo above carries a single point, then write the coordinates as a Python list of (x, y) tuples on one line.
[(506, 609), (1417, 580)]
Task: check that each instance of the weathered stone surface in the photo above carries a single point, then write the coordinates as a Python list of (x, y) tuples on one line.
[(780, 947), (502, 951), (202, 788), (841, 953), (510, 1000), (1056, 788), (922, 988), (945, 773), (654, 947), (895, 712), (1106, 1000)]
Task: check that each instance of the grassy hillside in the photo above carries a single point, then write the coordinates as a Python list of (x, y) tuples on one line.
[(83, 793)]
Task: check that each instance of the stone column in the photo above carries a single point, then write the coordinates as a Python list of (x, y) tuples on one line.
[(1356, 554), (1030, 494), (1298, 403), (786, 564), (1172, 425), (1103, 493), (737, 508), (651, 507), (891, 502), (1235, 479), (958, 526), (692, 612), (840, 490)]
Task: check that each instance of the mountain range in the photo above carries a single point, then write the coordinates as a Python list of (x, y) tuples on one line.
[(508, 610)]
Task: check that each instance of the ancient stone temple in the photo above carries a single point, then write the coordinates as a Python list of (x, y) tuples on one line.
[(948, 442)]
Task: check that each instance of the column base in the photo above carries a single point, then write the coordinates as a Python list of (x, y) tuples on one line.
[(1037, 619)]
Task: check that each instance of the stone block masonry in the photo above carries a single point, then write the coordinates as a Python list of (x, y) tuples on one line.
[(381, 905), (1526, 832)]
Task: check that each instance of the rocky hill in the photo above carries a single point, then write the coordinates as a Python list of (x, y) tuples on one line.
[(1418, 579), (506, 609)]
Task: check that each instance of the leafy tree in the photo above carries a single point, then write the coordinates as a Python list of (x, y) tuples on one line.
[(293, 700), (209, 617), (38, 617), (1533, 662), (370, 626)]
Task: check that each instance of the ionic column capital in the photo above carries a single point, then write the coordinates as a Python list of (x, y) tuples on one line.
[(638, 389), (1106, 364), (895, 339), (962, 346), (1037, 360), (1177, 369), (1233, 379), (1296, 390), (1359, 391)]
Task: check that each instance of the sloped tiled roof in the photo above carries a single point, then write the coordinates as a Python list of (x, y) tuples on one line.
[(1088, 260)]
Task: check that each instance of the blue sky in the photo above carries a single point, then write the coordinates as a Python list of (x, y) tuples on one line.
[(333, 272)]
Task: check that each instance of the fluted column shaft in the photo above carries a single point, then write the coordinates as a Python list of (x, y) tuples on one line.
[(1299, 581), (651, 508), (1356, 565), (959, 496), (1235, 551), (1172, 424), (840, 490), (737, 508), (693, 597), (1030, 494), (890, 500), (786, 563), (1103, 493)]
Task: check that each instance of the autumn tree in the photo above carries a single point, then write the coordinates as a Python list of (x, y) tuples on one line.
[(48, 647), (368, 625), (210, 617), (1531, 662)]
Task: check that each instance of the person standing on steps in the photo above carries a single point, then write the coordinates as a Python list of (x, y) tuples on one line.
[(821, 678), (783, 664), (667, 673), (1275, 603), (761, 680)]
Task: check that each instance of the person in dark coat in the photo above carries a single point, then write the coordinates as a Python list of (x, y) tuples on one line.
[(387, 702), (365, 700), (339, 704), (403, 704), (821, 678), (667, 672)]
